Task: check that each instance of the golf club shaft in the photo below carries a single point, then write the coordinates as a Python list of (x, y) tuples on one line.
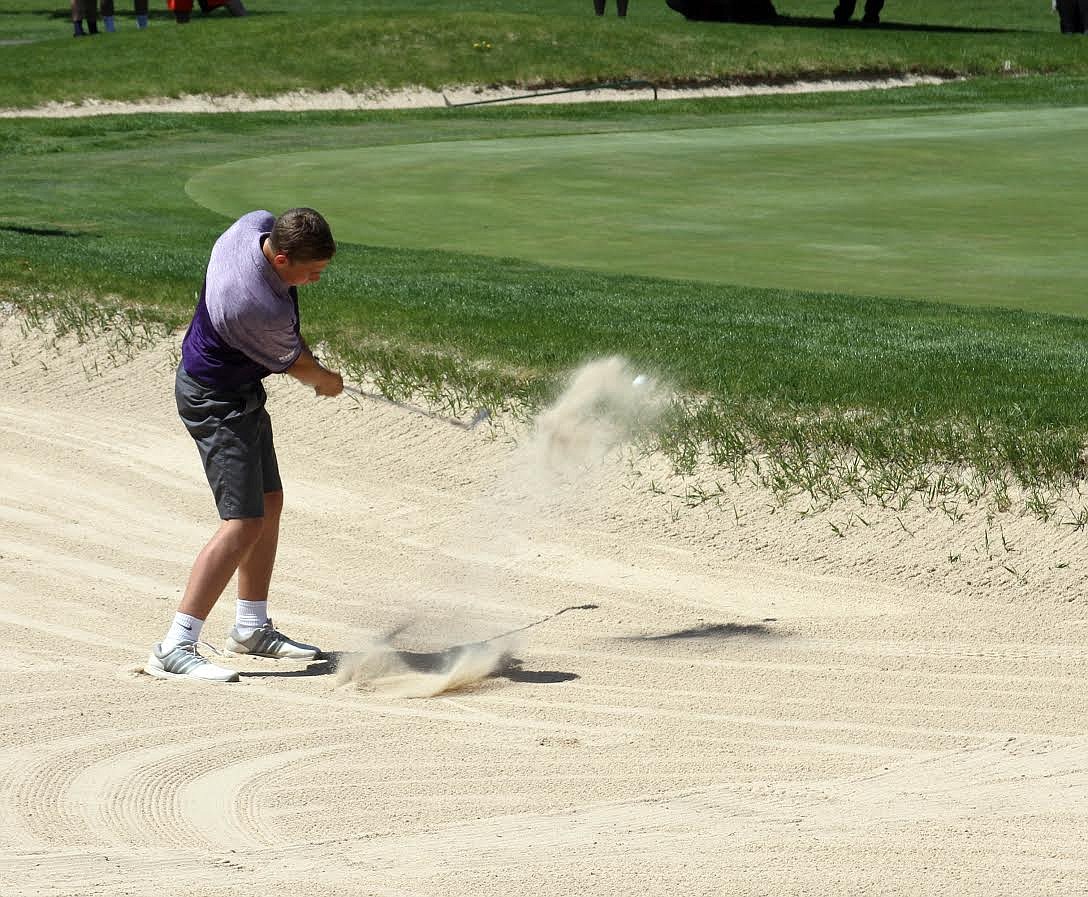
[(415, 409), (538, 622)]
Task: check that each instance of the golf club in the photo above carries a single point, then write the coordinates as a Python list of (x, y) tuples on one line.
[(538, 622), (479, 417)]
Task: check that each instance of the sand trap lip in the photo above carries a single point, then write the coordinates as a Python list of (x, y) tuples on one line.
[(423, 98)]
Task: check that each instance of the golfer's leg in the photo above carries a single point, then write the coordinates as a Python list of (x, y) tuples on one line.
[(621, 7), (217, 563), (255, 570), (598, 7), (250, 635)]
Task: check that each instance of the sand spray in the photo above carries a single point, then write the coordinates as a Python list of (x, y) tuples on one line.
[(604, 406)]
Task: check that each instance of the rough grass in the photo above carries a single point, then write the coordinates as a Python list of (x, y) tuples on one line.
[(820, 393), (445, 42)]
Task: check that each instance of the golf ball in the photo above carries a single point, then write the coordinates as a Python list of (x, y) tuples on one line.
[(640, 380)]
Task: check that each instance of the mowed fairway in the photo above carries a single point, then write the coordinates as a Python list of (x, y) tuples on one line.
[(965, 208)]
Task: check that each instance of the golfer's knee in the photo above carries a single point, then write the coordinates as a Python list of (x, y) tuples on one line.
[(242, 533), (273, 503)]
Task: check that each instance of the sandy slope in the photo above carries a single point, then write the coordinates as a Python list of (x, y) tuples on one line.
[(423, 98), (756, 706)]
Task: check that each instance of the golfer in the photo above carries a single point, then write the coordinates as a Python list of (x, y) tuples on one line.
[(246, 326)]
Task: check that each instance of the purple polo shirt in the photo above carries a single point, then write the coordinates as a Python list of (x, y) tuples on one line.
[(246, 323)]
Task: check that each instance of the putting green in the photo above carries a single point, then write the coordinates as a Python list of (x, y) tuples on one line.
[(983, 208)]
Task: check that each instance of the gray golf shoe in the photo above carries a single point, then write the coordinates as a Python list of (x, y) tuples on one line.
[(185, 662), (267, 641)]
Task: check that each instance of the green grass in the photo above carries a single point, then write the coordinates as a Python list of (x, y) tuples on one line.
[(967, 208), (325, 44), (828, 385), (831, 390)]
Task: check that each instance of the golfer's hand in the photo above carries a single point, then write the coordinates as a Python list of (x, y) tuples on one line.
[(330, 384)]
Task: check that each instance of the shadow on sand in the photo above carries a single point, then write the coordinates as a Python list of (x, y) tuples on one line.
[(434, 662), (711, 631)]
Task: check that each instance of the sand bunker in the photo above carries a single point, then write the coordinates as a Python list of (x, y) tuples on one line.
[(605, 404), (422, 98), (759, 704)]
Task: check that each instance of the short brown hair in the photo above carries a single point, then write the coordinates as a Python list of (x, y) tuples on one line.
[(302, 235)]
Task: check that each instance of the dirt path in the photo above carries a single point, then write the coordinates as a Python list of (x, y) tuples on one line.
[(734, 717)]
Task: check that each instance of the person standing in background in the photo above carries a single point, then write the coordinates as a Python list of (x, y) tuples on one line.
[(85, 10), (183, 9), (81, 14), (1073, 15), (139, 7), (621, 7), (845, 10)]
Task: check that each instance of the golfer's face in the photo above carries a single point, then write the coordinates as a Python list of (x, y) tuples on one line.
[(297, 274)]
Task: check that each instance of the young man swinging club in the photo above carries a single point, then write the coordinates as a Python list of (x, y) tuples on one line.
[(246, 326)]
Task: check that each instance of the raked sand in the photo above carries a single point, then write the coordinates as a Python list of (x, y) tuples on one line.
[(754, 706)]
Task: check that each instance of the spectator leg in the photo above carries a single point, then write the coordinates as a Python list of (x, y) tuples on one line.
[(1069, 16), (844, 10), (77, 19)]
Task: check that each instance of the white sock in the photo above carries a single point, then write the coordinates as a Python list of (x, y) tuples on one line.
[(249, 616), (183, 629)]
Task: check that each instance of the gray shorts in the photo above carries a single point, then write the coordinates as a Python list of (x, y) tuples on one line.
[(234, 436)]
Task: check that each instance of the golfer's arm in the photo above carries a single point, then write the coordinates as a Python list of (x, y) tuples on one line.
[(309, 370)]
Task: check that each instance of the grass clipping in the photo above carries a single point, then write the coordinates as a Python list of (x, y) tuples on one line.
[(605, 404)]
